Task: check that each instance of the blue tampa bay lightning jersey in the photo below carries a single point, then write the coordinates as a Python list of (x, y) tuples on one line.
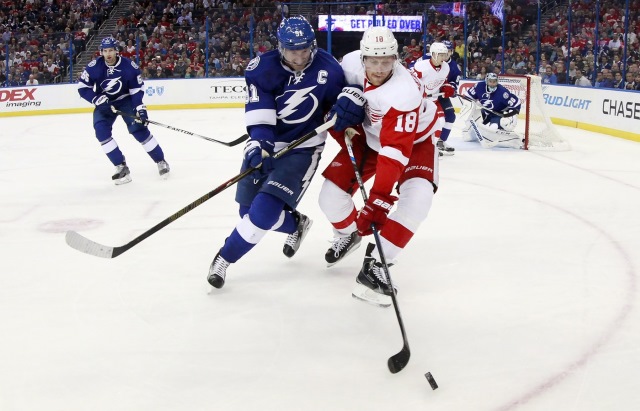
[(499, 100), (293, 103), (117, 82), (454, 73)]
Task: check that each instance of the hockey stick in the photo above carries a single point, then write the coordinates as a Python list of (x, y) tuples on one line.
[(229, 144), (472, 101), (83, 244), (400, 360)]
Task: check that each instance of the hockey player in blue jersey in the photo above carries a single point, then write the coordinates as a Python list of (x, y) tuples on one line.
[(445, 102), (494, 115), (289, 91), (114, 82)]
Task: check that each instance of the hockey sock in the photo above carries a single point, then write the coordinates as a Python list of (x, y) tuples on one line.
[(446, 130), (265, 213), (111, 149), (150, 144)]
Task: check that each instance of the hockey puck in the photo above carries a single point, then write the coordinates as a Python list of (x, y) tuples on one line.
[(432, 382)]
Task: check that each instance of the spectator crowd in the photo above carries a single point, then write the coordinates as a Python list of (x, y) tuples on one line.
[(217, 38)]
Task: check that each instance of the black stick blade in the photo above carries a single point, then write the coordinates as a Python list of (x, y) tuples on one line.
[(238, 140), (397, 362)]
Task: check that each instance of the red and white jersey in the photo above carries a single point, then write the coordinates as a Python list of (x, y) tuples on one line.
[(432, 77), (397, 117)]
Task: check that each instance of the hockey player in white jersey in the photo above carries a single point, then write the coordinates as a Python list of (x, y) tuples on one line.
[(494, 114), (397, 145), (433, 72)]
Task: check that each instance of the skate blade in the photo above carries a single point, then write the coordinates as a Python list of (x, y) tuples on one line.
[(123, 180), (364, 293)]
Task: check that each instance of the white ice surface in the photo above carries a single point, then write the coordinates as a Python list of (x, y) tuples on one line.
[(519, 292)]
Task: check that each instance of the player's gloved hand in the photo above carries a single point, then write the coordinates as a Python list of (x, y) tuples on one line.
[(258, 154), (143, 117), (349, 108), (509, 112), (448, 90), (374, 211), (102, 103)]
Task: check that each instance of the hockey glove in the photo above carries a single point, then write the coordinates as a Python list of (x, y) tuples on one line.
[(258, 154), (102, 103), (374, 212), (509, 112), (448, 90), (143, 117), (349, 108)]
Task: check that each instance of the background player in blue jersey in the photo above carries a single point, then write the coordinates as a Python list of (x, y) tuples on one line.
[(445, 102), (289, 90), (498, 109), (115, 81)]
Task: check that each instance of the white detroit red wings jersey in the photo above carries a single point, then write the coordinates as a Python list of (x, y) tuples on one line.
[(396, 114), (432, 77)]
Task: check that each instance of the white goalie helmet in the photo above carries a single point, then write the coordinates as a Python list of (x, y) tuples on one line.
[(439, 53), (378, 41)]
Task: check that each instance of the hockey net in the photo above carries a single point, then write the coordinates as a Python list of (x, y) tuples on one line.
[(534, 124)]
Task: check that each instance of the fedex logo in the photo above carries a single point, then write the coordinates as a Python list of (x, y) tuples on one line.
[(19, 94)]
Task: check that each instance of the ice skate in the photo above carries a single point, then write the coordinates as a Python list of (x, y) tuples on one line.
[(122, 175), (218, 271), (372, 285), (163, 169), (444, 148), (294, 239), (342, 247)]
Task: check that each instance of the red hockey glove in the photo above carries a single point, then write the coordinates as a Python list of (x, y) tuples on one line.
[(448, 90), (374, 212)]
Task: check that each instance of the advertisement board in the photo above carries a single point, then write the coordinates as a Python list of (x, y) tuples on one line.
[(407, 24)]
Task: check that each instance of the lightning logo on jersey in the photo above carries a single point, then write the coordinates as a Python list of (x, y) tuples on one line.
[(111, 86), (302, 100)]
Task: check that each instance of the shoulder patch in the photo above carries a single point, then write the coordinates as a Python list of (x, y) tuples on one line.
[(505, 95), (91, 63), (253, 64)]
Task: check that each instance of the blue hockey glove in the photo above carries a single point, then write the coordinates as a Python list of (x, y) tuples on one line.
[(257, 153), (349, 108), (102, 103), (143, 117)]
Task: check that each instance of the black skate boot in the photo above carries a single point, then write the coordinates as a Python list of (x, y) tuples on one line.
[(372, 285), (122, 175), (218, 271), (444, 148), (294, 239), (163, 169), (342, 247)]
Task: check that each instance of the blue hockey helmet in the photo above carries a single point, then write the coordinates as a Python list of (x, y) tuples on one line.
[(295, 33), (109, 43), (448, 44)]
